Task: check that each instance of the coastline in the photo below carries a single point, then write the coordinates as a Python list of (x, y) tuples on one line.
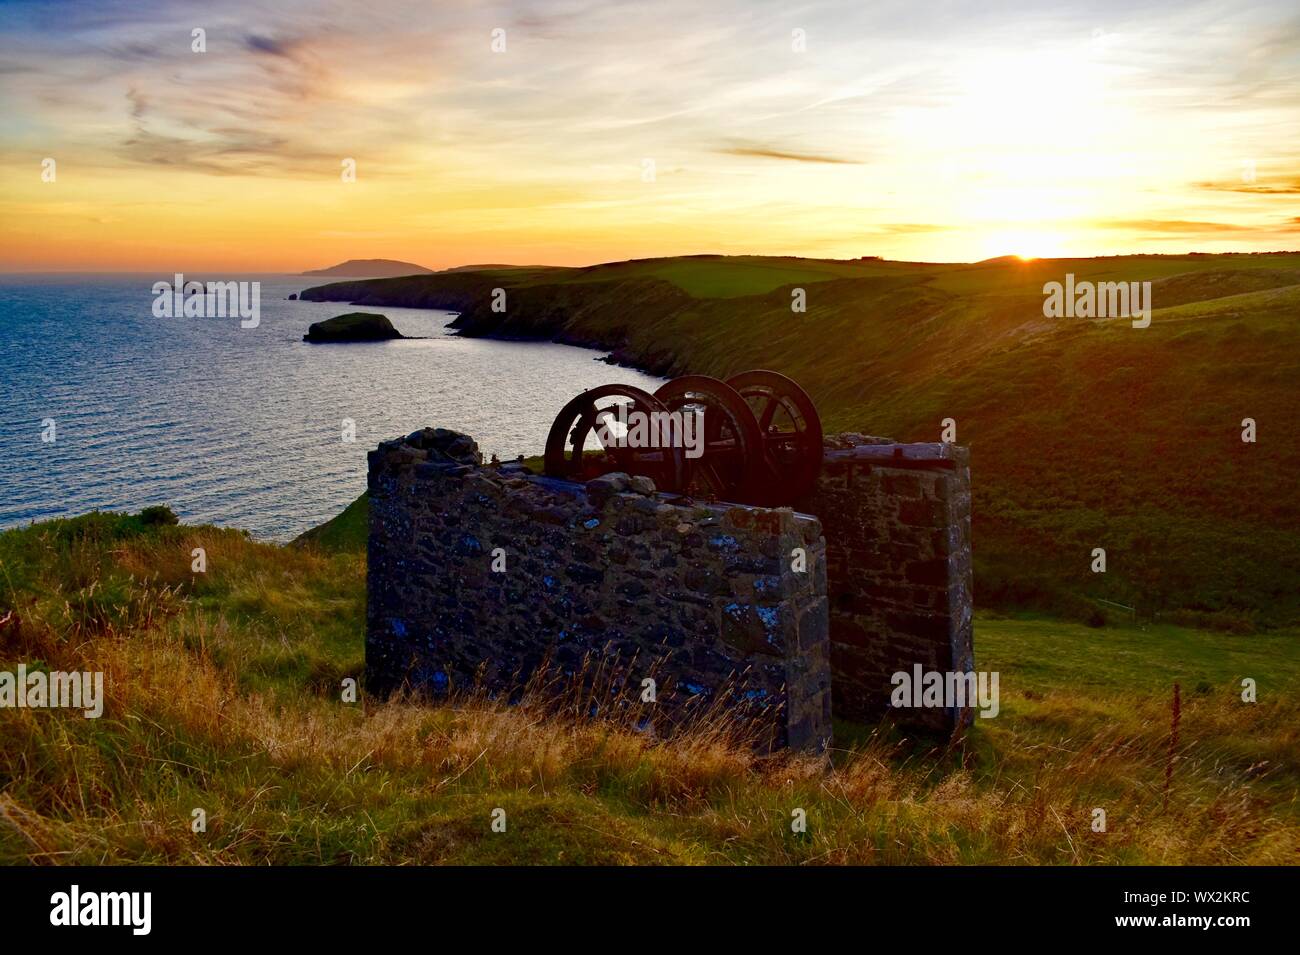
[(582, 315)]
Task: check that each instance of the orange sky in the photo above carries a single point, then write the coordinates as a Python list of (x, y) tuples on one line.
[(619, 131)]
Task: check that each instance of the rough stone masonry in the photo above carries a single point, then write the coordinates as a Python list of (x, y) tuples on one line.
[(480, 574), (898, 548), (477, 574)]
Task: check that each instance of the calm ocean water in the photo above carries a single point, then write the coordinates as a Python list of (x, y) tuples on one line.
[(242, 427)]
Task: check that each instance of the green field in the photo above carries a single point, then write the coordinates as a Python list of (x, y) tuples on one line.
[(1083, 434), (223, 694)]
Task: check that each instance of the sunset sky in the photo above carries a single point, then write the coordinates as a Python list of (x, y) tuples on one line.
[(934, 131)]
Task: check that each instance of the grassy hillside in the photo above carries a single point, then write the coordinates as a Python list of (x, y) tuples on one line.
[(345, 531), (1084, 434), (223, 693)]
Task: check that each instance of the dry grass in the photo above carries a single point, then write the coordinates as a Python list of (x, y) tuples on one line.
[(223, 694)]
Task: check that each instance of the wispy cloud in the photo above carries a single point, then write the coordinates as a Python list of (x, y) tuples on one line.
[(1180, 226), (909, 228), (758, 151), (1280, 187), (265, 44)]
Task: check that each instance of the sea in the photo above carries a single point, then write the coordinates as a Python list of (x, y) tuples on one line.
[(107, 407)]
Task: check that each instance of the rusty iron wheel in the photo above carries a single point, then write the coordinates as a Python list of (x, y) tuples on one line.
[(731, 458), (791, 432), (584, 442)]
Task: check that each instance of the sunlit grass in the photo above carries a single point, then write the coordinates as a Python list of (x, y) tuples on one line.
[(224, 694)]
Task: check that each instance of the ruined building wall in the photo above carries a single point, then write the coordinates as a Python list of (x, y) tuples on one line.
[(898, 548), (703, 598)]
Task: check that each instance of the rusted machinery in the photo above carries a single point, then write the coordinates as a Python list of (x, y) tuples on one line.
[(752, 439)]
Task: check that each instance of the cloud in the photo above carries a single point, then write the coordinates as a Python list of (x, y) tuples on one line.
[(1174, 225), (759, 151), (263, 44), (909, 228), (1285, 188), (138, 102)]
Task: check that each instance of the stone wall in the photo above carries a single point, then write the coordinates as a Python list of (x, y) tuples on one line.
[(704, 598), (897, 524)]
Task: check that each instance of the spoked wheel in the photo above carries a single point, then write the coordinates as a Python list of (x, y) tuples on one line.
[(588, 439), (725, 435), (791, 432)]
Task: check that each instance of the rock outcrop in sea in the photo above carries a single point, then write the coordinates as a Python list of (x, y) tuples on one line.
[(353, 327)]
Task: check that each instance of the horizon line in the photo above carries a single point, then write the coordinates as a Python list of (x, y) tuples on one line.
[(1026, 260)]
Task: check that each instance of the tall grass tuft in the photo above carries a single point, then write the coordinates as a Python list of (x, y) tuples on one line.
[(1176, 712)]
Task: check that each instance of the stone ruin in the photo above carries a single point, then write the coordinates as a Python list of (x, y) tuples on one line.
[(479, 574)]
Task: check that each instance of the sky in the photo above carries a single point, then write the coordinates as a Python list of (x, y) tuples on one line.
[(576, 132)]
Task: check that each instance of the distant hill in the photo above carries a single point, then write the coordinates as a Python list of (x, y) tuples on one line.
[(372, 269), (1083, 434)]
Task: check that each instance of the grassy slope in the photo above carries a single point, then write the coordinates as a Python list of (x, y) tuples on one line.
[(345, 531), (1083, 434), (223, 695)]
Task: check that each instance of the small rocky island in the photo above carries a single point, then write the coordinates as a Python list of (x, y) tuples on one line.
[(353, 327)]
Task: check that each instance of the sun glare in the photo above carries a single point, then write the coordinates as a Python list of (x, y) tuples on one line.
[(1024, 244)]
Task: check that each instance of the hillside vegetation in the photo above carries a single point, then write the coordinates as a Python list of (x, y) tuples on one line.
[(1084, 433), (224, 694)]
